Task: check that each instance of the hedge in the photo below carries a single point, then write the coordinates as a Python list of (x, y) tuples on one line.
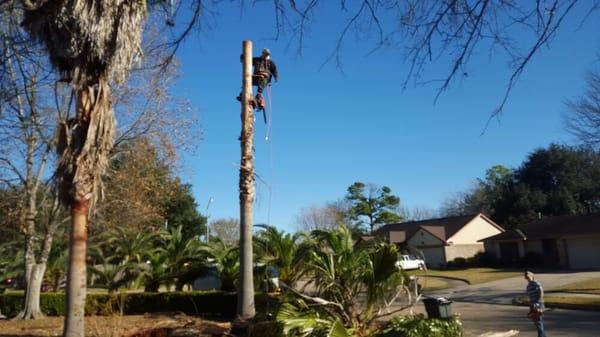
[(211, 304)]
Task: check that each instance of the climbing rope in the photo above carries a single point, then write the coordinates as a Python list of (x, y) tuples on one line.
[(269, 113), (268, 139)]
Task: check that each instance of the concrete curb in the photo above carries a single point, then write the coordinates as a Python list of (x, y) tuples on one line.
[(447, 277)]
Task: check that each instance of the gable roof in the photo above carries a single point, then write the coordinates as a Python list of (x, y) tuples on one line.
[(441, 228), (509, 235), (555, 226)]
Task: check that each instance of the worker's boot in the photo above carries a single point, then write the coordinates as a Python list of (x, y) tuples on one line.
[(260, 102)]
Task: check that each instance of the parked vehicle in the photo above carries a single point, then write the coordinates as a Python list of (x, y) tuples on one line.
[(408, 262)]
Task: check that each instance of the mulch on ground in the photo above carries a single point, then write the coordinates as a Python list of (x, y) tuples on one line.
[(149, 325)]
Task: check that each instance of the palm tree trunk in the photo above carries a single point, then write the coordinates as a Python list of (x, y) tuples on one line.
[(80, 209), (76, 275), (246, 308)]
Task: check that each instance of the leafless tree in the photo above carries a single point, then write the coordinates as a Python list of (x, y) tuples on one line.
[(328, 216), (418, 213), (583, 118), (226, 229), (456, 29), (30, 105)]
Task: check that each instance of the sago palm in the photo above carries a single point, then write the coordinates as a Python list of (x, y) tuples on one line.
[(181, 253), (131, 245), (286, 252), (226, 258), (111, 276), (154, 272), (355, 285), (56, 270)]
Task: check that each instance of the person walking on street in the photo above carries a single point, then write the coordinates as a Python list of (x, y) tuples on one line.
[(535, 292)]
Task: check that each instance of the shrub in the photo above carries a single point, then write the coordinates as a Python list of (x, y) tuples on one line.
[(485, 259), (460, 262), (481, 259), (531, 259), (419, 326), (214, 304)]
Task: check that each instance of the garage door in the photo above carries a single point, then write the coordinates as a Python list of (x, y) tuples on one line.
[(583, 253), (434, 256)]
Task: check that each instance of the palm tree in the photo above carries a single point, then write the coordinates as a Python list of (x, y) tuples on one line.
[(57, 265), (182, 256), (355, 285), (110, 275), (245, 307), (90, 43), (12, 257), (131, 245), (227, 260), (286, 252), (154, 272)]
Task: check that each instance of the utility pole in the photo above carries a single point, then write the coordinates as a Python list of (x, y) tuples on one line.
[(210, 200), (245, 309)]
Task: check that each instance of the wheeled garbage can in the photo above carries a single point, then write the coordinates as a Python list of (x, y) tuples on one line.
[(438, 307)]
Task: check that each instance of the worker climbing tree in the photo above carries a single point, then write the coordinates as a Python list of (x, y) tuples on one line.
[(264, 70)]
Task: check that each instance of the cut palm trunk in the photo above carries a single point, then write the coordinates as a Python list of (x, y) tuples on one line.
[(246, 308)]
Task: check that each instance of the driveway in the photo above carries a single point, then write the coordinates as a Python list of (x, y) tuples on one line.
[(503, 291), (479, 318)]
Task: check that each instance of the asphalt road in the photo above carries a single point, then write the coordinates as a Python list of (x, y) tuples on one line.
[(479, 318), (487, 307), (503, 291)]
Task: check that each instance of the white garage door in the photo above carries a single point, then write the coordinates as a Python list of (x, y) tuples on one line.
[(434, 257), (584, 253)]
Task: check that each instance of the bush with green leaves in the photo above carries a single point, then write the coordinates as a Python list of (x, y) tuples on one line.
[(125, 257), (212, 303), (284, 251), (355, 285), (226, 258), (419, 326)]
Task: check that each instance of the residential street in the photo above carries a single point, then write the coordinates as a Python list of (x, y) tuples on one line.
[(479, 318), (487, 307), (503, 291)]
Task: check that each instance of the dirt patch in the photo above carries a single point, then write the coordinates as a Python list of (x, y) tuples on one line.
[(154, 325)]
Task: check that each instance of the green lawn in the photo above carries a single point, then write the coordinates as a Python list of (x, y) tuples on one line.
[(471, 275), (431, 284), (591, 286)]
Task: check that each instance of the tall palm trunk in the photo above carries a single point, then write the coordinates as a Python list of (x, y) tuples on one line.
[(83, 161), (246, 308), (76, 275), (80, 207)]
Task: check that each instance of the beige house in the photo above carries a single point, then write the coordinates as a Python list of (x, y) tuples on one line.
[(444, 239), (571, 241)]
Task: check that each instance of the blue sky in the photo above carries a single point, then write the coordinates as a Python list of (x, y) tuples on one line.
[(332, 128)]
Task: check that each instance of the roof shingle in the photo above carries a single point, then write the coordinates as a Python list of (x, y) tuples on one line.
[(442, 228)]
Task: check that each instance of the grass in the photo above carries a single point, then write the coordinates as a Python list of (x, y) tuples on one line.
[(591, 286), (471, 275), (569, 302), (432, 284)]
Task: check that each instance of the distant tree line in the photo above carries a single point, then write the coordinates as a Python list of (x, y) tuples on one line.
[(557, 180)]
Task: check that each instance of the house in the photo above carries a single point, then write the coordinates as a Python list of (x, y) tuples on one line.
[(444, 239), (571, 241)]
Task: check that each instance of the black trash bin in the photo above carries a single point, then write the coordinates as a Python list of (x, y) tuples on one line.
[(438, 307)]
